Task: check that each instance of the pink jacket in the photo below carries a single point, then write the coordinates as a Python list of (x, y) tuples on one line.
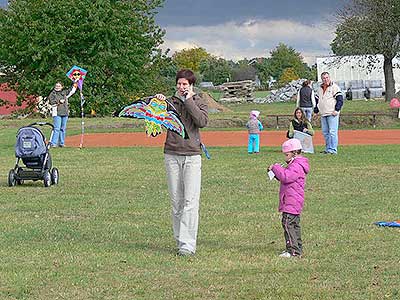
[(293, 180)]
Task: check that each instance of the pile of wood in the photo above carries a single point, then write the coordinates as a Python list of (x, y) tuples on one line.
[(238, 91)]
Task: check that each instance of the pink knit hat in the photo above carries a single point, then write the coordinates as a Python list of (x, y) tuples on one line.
[(291, 145), (254, 113)]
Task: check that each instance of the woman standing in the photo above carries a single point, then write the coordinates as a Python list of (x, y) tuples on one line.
[(58, 99), (183, 162), (306, 99)]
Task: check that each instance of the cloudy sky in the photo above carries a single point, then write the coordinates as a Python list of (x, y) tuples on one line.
[(236, 29)]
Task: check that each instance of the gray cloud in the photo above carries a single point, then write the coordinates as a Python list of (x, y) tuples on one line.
[(212, 12), (252, 38)]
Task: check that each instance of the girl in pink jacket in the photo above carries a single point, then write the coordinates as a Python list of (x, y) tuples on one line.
[(291, 194)]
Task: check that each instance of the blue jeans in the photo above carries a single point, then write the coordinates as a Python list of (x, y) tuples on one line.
[(254, 143), (307, 112), (330, 127), (60, 127)]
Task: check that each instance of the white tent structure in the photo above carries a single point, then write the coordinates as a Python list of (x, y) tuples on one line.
[(358, 71)]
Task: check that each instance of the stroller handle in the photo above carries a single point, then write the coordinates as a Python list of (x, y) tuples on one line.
[(42, 124)]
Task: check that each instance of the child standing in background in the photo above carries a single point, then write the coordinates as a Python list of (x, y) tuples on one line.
[(291, 194), (254, 127)]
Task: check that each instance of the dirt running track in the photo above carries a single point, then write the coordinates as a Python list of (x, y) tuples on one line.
[(233, 138)]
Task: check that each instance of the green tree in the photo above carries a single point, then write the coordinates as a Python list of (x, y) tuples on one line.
[(190, 58), (287, 76), (216, 70), (263, 71), (283, 57), (370, 27), (116, 41), (242, 70)]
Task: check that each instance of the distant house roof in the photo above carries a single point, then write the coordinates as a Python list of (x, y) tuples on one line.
[(256, 60)]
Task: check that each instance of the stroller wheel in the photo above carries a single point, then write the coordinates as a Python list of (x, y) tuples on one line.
[(47, 179), (11, 178), (55, 176)]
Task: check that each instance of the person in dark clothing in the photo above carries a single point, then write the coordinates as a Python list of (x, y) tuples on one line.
[(299, 123), (349, 94), (306, 99)]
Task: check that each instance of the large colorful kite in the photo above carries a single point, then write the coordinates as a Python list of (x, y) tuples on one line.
[(154, 112)]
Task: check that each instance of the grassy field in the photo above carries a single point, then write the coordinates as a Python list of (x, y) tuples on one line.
[(105, 233), (234, 119)]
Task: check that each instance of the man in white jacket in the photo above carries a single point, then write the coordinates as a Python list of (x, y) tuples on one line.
[(329, 103)]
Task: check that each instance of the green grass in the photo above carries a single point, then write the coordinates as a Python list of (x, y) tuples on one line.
[(256, 94), (105, 233)]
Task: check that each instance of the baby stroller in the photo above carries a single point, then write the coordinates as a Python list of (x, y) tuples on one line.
[(32, 149)]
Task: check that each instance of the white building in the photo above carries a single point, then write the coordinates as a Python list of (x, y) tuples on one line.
[(356, 68)]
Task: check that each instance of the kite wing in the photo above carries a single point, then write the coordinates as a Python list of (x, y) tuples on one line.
[(154, 112), (174, 123), (135, 110)]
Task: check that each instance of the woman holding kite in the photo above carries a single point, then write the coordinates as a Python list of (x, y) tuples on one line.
[(58, 99), (183, 161)]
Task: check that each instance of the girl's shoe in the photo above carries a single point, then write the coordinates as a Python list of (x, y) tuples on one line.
[(285, 254)]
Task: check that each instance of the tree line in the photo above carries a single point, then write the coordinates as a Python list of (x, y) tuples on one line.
[(118, 42)]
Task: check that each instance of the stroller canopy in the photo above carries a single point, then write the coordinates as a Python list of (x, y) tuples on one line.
[(30, 142)]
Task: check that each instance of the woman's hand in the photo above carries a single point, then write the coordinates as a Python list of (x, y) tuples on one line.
[(160, 97), (189, 92)]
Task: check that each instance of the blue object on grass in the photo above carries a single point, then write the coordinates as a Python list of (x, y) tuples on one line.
[(204, 148), (387, 224)]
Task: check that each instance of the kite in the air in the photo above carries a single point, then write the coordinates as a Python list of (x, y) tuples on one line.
[(77, 75), (154, 112)]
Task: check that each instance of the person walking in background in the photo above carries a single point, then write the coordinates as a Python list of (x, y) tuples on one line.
[(58, 100), (183, 162), (329, 100), (299, 123), (306, 99), (291, 195), (254, 127)]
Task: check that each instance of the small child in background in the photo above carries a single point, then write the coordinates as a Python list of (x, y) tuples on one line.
[(291, 194), (254, 127)]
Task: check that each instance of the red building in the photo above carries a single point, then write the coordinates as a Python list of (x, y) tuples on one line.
[(10, 97)]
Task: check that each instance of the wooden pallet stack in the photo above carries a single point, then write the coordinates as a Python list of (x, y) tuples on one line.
[(238, 91)]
